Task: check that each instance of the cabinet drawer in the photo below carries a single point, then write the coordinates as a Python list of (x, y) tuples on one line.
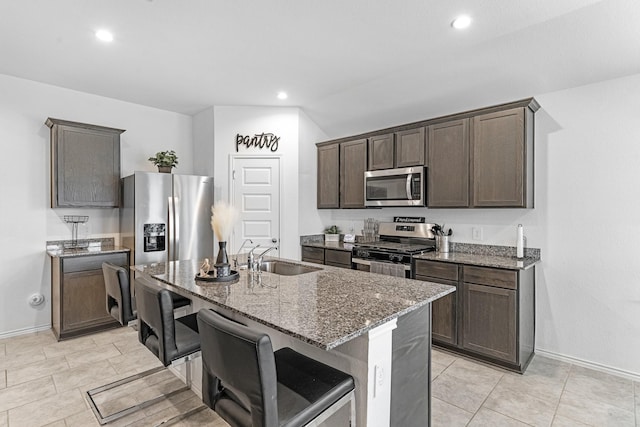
[(439, 270), (341, 258), (313, 254), (92, 262), (507, 279)]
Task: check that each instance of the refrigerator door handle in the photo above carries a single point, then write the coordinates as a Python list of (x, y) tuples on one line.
[(173, 231), (176, 229)]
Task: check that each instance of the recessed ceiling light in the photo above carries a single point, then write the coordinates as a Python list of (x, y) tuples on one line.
[(104, 35), (461, 22), (282, 95)]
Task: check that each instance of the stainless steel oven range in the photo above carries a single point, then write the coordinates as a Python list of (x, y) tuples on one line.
[(398, 242)]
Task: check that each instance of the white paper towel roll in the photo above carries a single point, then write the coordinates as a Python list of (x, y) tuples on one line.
[(520, 242)]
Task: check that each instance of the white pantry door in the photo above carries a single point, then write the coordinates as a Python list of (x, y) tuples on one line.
[(255, 191)]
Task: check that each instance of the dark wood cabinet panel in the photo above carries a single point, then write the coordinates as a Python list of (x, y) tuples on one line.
[(311, 254), (489, 321), (337, 258), (438, 270), (507, 279), (353, 164), (85, 165), (78, 304), (410, 148), (328, 177), (381, 152), (444, 325), (498, 159), (448, 165)]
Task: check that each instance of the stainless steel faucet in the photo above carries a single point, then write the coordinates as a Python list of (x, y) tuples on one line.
[(235, 261), (263, 253), (251, 261)]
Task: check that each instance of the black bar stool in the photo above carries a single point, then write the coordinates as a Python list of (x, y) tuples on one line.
[(168, 338), (120, 301), (248, 384)]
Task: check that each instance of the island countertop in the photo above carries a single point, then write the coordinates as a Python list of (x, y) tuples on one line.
[(325, 308)]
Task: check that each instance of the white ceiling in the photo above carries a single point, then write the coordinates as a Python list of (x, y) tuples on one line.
[(351, 65)]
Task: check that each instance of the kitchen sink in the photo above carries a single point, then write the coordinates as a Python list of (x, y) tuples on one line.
[(286, 268)]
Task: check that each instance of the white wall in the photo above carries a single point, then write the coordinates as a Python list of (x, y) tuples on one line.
[(586, 222), (283, 122), (26, 221)]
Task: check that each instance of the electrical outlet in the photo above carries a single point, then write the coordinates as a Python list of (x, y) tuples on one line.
[(476, 233)]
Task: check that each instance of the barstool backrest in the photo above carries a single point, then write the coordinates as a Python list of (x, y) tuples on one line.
[(239, 371), (156, 325), (118, 293)]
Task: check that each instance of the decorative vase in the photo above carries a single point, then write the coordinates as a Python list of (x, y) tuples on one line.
[(222, 261), (164, 169)]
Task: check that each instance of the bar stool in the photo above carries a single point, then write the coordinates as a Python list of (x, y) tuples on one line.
[(167, 338), (120, 302), (248, 384)]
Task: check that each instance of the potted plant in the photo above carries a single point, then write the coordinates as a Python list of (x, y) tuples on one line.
[(332, 234), (165, 160)]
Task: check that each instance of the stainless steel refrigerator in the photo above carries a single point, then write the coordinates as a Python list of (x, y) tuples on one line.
[(166, 217)]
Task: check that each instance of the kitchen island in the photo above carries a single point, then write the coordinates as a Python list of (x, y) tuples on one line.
[(375, 327)]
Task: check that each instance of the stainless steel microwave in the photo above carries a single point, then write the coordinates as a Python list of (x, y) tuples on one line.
[(395, 187)]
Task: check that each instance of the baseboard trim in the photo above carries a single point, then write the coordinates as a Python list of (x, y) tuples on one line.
[(24, 331), (591, 365)]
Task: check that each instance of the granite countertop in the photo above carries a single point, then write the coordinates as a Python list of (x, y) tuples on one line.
[(325, 308), (94, 247), (482, 260)]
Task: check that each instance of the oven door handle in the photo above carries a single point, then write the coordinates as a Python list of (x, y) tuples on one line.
[(408, 186), (367, 262)]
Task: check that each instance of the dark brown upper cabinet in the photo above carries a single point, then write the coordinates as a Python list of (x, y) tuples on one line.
[(353, 164), (410, 148), (397, 150), (502, 159), (328, 176), (85, 165), (448, 165), (381, 152)]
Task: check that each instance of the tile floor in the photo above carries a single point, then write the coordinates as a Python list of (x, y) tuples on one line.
[(43, 383)]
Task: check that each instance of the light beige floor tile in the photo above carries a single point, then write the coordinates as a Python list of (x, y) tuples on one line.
[(204, 417), (3, 379), (475, 373), (113, 335), (3, 350), (135, 361), (68, 346), (4, 422), (444, 414), (80, 376), (548, 368), (560, 421), (82, 419), (27, 392), (97, 354), (128, 344), (26, 343), (48, 410), (15, 360), (593, 412), (59, 423), (436, 369), (35, 370), (465, 395), (442, 357), (172, 407), (521, 406), (600, 386), (539, 386), (487, 417)]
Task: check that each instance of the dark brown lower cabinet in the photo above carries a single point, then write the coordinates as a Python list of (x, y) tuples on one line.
[(491, 316), (325, 256), (78, 294), (489, 321)]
